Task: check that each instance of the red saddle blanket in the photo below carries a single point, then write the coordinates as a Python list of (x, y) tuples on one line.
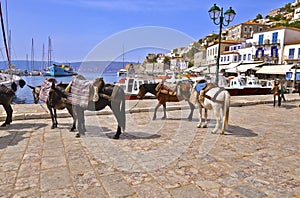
[(45, 89)]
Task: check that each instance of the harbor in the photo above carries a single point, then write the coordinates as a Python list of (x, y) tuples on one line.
[(150, 99)]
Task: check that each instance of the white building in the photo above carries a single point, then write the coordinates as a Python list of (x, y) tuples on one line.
[(178, 64), (268, 46), (291, 54)]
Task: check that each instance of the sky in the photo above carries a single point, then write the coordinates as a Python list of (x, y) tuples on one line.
[(106, 29)]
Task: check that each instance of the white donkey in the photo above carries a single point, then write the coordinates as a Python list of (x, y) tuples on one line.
[(216, 99)]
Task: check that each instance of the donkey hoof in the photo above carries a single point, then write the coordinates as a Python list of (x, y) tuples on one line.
[(198, 126), (4, 125), (77, 135), (116, 137), (163, 118)]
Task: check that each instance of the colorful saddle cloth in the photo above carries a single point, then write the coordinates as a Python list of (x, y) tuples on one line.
[(45, 89), (80, 92), (167, 88)]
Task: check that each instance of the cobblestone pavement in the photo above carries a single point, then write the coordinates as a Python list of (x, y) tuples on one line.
[(258, 156)]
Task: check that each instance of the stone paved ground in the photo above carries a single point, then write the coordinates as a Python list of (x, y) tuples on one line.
[(258, 157)]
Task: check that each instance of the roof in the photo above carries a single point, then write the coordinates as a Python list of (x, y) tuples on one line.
[(281, 27), (274, 69), (292, 42), (253, 23), (244, 67)]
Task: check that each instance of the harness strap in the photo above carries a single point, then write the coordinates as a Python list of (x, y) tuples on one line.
[(214, 99)]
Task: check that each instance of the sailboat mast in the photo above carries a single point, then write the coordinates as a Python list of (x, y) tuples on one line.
[(43, 58), (49, 51), (32, 55), (4, 37)]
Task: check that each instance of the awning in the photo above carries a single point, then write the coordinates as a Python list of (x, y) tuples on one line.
[(244, 67), (274, 69)]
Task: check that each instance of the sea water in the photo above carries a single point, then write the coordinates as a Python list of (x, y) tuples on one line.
[(24, 95)]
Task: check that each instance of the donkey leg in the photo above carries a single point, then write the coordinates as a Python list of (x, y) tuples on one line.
[(165, 112), (218, 120), (192, 107), (9, 111), (52, 117), (118, 133), (155, 110), (55, 118), (205, 118), (70, 110), (274, 100), (199, 125)]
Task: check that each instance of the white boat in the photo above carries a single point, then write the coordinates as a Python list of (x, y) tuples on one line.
[(131, 85), (8, 79), (246, 85)]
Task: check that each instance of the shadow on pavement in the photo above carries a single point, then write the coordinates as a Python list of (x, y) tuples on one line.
[(12, 138), (134, 136), (31, 126), (239, 131)]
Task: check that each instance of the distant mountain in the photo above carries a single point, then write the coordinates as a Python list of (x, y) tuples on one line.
[(90, 66)]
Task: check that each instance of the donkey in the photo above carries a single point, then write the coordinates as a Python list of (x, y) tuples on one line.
[(215, 98), (36, 90), (112, 96), (163, 97), (6, 97)]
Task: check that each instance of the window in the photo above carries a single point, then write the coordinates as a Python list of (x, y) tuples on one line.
[(274, 37), (221, 59), (228, 58), (260, 39), (245, 29), (298, 53), (291, 53), (249, 57), (260, 29), (244, 57), (235, 58), (250, 29)]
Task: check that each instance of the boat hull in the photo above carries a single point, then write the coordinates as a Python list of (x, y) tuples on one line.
[(59, 71), (248, 91)]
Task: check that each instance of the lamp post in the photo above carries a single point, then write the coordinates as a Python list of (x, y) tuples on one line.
[(216, 13)]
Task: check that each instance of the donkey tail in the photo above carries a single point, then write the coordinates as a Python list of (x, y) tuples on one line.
[(226, 110)]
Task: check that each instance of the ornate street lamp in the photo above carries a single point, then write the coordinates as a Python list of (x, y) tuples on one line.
[(216, 13)]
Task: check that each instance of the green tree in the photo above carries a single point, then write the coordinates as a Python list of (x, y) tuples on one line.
[(259, 16), (166, 60)]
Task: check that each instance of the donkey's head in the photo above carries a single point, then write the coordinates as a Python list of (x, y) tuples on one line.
[(35, 93)]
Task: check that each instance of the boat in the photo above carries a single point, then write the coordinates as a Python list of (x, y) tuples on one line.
[(131, 83), (246, 85), (9, 76), (59, 70)]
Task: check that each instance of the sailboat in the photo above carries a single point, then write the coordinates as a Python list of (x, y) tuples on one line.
[(57, 69), (7, 78)]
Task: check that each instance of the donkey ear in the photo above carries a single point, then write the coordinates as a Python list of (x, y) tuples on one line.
[(31, 87), (53, 85)]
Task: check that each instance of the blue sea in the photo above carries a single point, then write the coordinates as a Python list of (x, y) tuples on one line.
[(24, 95)]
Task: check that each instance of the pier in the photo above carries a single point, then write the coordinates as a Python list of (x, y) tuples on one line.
[(257, 157)]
